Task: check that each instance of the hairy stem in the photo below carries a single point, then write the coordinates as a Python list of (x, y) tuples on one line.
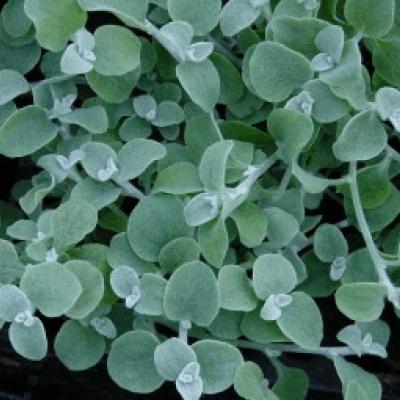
[(378, 261)]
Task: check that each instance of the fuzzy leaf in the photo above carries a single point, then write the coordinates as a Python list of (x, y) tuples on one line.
[(131, 362), (218, 364), (275, 71), (25, 131), (78, 347), (192, 294), (154, 222), (51, 287)]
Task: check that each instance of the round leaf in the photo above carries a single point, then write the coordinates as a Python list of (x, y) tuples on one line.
[(202, 15), (218, 364), (201, 82), (52, 288), (329, 243), (131, 362), (71, 222), (371, 18), (25, 131), (363, 138), (362, 302), (12, 84), (92, 283), (13, 302), (154, 222), (78, 347), (29, 341), (273, 274), (236, 291), (53, 27), (275, 71), (301, 321), (136, 155), (117, 50), (177, 252), (192, 294), (171, 357)]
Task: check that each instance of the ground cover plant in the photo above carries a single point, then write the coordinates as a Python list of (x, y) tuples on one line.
[(172, 164)]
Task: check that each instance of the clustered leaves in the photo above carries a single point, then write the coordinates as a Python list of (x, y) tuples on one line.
[(174, 163)]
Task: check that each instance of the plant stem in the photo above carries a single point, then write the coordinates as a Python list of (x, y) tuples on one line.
[(130, 190), (378, 261), (216, 126), (292, 348)]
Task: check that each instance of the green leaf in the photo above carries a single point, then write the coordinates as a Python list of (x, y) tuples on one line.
[(52, 288), (236, 291), (25, 131), (364, 137), (361, 301), (92, 282), (72, 63), (93, 119), (171, 357), (282, 227), (237, 15), (12, 84), (117, 50), (10, 265), (97, 194), (96, 159), (331, 41), (248, 382), (121, 253), (226, 324), (349, 372), (218, 364), (192, 294), (345, 79), (329, 243), (153, 288), (131, 362), (273, 274), (168, 113), (71, 222), (131, 13), (213, 241), (78, 347), (113, 89), (29, 341), (386, 59), (177, 252), (179, 178), (291, 129), (213, 165), (327, 107), (13, 302), (202, 15), (251, 223), (371, 18), (292, 383), (154, 222), (21, 58), (318, 283), (201, 82), (136, 156), (306, 331), (360, 268), (275, 71), (232, 88), (355, 392), (15, 21), (259, 330), (53, 27)]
